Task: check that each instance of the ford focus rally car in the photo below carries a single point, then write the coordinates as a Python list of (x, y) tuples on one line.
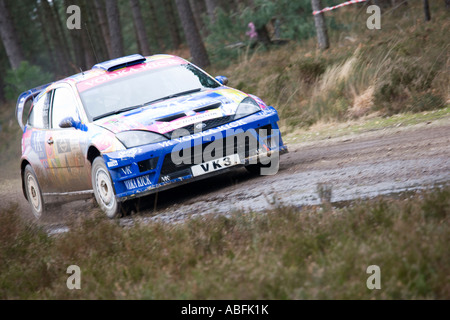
[(137, 125)]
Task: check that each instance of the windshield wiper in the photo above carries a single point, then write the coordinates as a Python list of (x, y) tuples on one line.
[(173, 96), (116, 112)]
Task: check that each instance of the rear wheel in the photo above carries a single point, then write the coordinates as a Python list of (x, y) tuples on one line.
[(104, 189), (34, 193)]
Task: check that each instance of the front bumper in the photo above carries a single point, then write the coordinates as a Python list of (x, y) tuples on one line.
[(151, 168)]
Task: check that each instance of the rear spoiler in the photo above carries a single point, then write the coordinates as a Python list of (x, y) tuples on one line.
[(23, 98)]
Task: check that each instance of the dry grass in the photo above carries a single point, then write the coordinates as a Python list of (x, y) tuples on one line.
[(285, 253), (403, 67)]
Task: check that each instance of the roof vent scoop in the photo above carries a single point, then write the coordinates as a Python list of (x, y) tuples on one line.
[(120, 63)]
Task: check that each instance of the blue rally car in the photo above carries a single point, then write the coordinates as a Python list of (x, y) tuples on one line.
[(137, 125)]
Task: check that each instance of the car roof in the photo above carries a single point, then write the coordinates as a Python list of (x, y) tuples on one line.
[(114, 65)]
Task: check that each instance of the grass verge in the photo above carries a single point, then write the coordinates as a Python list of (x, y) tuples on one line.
[(284, 253)]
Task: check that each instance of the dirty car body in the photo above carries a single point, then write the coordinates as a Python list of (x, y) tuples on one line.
[(137, 125)]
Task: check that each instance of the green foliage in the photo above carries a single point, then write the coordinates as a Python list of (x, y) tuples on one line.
[(393, 92), (437, 205), (294, 19), (426, 101), (24, 78)]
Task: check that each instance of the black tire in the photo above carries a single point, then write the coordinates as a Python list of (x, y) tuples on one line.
[(34, 192), (104, 192)]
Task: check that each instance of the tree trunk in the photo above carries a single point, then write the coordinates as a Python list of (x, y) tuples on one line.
[(45, 32), (426, 9), (87, 48), (115, 31), (193, 38), (103, 23), (9, 37), (62, 61), (321, 27), (77, 45), (198, 8), (99, 43), (61, 26), (173, 27), (211, 7), (155, 26), (140, 27)]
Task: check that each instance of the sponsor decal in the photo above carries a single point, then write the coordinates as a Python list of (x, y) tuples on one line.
[(112, 163), (138, 182), (232, 94), (126, 170), (38, 144), (106, 142), (50, 151), (165, 178), (130, 153), (63, 145), (45, 164), (200, 126)]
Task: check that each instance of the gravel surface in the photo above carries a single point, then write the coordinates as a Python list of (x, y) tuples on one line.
[(356, 166)]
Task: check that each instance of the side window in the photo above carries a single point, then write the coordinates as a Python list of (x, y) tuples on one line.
[(64, 105), (38, 117)]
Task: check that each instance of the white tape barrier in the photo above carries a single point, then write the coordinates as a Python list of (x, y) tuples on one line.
[(338, 6)]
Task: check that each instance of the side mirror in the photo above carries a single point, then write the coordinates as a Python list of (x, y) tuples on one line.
[(70, 123), (67, 123), (222, 80)]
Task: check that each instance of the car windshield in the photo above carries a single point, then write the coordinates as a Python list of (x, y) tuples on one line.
[(142, 88)]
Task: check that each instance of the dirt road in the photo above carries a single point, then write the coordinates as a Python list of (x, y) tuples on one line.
[(358, 166)]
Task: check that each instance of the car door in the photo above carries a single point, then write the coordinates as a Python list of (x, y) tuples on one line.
[(65, 147), (34, 141)]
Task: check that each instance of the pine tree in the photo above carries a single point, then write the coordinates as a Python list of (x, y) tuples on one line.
[(172, 24), (9, 37), (321, 27), (193, 38), (99, 6), (140, 27), (115, 31)]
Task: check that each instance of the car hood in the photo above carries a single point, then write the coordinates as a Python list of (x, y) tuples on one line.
[(171, 114)]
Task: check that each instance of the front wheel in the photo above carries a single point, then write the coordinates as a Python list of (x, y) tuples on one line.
[(266, 169), (34, 193), (104, 189)]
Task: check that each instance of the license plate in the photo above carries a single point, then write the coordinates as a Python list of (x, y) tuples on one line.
[(215, 165)]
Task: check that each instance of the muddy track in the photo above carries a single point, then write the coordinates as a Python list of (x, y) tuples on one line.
[(359, 166)]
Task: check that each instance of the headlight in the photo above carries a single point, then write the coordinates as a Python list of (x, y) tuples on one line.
[(247, 107), (131, 139)]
